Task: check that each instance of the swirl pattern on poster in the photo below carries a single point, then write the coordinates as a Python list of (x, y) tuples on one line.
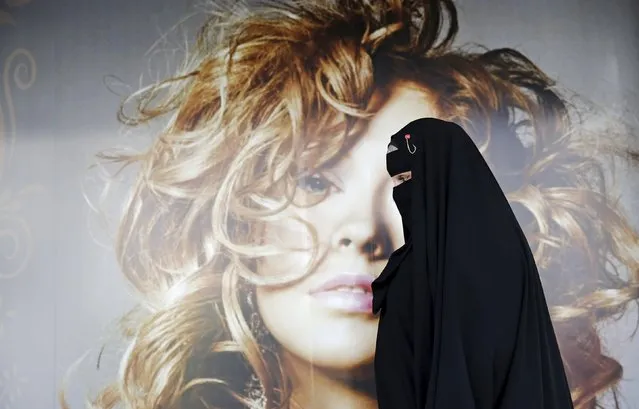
[(18, 73)]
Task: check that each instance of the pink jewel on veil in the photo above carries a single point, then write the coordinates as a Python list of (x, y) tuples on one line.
[(414, 148)]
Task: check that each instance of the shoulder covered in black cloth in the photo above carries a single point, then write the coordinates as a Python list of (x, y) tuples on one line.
[(481, 334)]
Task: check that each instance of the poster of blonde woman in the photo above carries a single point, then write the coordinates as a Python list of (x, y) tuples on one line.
[(194, 200)]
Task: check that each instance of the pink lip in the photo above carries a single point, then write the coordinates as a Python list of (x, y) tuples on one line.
[(346, 292)]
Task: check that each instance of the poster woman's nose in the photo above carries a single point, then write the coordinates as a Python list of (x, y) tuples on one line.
[(361, 236)]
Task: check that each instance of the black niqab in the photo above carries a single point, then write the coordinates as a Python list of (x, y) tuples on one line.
[(463, 319), (398, 161)]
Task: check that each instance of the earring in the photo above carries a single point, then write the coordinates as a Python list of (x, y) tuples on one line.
[(407, 138), (254, 389), (256, 325)]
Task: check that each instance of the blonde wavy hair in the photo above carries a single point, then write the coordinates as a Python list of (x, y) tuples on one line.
[(269, 93)]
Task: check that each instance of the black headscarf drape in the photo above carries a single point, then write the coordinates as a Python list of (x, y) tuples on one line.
[(482, 337)]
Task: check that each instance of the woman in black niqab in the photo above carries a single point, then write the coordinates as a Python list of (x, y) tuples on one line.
[(463, 319)]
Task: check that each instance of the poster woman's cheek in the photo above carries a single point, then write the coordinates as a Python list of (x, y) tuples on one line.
[(325, 318)]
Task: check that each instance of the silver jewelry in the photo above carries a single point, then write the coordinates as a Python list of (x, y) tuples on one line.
[(254, 389), (256, 324), (255, 393)]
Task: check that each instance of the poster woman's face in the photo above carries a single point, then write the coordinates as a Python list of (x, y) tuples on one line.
[(325, 319)]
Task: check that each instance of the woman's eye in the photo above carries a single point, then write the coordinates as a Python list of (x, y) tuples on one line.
[(315, 184), (401, 178), (312, 189)]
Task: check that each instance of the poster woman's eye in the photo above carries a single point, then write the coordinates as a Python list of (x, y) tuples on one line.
[(316, 184), (312, 189)]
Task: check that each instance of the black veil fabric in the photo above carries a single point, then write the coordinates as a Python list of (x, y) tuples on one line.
[(481, 334)]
